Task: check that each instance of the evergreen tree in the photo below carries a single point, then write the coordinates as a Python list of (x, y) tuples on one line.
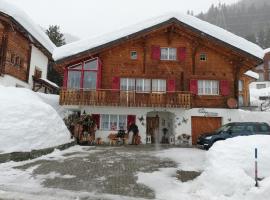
[(55, 35), (267, 38), (261, 38)]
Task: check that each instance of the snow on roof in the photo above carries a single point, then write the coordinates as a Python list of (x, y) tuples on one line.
[(50, 82), (267, 50), (252, 74), (23, 19), (205, 27)]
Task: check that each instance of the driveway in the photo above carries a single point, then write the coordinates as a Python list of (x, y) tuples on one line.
[(84, 173)]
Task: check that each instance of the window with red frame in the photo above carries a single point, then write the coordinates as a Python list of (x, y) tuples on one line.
[(83, 75)]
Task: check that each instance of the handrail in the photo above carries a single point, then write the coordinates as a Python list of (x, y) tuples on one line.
[(108, 97)]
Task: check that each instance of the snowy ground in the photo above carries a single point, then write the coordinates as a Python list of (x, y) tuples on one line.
[(142, 173), (27, 122), (87, 173)]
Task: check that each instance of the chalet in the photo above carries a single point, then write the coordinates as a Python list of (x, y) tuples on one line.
[(264, 72), (175, 76), (25, 50)]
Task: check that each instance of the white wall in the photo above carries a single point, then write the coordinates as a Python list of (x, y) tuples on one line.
[(182, 117), (9, 81), (39, 60), (253, 85)]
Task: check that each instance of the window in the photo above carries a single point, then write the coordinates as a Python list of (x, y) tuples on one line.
[(168, 53), (74, 79), (261, 76), (260, 86), (90, 80), (127, 84), (158, 85), (113, 122), (203, 57), (13, 59), (240, 100), (133, 55), (208, 87), (240, 85), (88, 71), (91, 65), (37, 73), (143, 85), (18, 61), (264, 128)]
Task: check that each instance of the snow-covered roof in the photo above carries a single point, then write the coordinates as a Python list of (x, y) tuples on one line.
[(252, 74), (267, 50), (25, 21), (205, 27), (50, 82)]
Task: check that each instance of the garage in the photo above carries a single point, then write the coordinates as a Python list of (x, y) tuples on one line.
[(201, 125)]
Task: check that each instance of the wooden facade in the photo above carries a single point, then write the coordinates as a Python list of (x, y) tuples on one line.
[(198, 57), (15, 49)]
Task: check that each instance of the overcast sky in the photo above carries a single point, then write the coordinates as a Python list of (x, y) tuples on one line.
[(86, 18)]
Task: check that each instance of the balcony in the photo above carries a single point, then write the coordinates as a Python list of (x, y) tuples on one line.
[(125, 98)]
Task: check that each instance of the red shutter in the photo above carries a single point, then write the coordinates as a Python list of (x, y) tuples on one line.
[(156, 52), (182, 53), (193, 86), (116, 83), (96, 118), (224, 88), (131, 119), (171, 85), (65, 78)]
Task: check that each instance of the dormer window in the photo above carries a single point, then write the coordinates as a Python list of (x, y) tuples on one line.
[(133, 55), (168, 53), (203, 57)]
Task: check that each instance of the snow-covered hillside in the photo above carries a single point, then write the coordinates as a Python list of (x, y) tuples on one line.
[(27, 122)]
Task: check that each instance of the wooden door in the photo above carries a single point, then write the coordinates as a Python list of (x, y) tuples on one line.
[(203, 125), (152, 126)]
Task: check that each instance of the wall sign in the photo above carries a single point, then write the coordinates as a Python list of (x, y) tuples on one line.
[(207, 114)]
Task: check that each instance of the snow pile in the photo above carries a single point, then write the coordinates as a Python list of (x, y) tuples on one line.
[(23, 19), (228, 172), (255, 95), (205, 27), (53, 100), (28, 123), (230, 167)]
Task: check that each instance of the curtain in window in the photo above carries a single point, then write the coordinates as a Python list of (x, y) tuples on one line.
[(105, 122), (90, 80), (113, 122), (164, 53), (172, 53), (74, 79)]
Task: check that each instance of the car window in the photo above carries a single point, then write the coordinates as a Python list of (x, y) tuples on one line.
[(263, 128), (250, 128), (237, 128)]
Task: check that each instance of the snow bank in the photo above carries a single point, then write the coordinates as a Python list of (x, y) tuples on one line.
[(205, 27), (22, 18), (27, 122), (228, 172)]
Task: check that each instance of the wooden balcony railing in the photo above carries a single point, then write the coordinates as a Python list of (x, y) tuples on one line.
[(125, 98)]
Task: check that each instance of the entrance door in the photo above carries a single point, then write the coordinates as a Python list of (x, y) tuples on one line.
[(153, 128), (202, 125)]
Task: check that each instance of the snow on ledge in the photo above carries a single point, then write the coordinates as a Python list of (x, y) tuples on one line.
[(23, 19), (252, 74), (205, 27)]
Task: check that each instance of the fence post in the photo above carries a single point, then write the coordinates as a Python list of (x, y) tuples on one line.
[(256, 168)]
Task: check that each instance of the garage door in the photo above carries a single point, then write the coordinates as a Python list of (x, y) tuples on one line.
[(201, 125)]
